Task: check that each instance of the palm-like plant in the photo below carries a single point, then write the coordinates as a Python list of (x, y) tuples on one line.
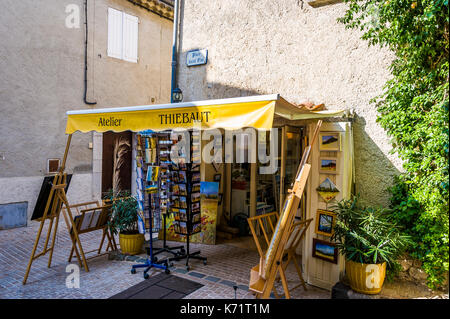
[(366, 234), (124, 213)]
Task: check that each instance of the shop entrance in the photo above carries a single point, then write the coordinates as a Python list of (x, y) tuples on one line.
[(269, 190), (116, 161)]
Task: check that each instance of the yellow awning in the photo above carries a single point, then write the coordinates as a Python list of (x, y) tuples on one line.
[(233, 113)]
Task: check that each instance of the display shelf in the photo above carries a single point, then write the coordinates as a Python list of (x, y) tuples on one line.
[(187, 174)]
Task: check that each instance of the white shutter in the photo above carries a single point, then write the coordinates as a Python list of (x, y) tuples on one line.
[(130, 38), (115, 33)]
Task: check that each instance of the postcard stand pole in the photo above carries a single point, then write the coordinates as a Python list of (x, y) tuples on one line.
[(58, 197), (166, 248), (189, 222), (152, 261)]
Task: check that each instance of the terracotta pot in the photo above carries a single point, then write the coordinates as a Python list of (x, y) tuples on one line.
[(131, 244), (365, 278)]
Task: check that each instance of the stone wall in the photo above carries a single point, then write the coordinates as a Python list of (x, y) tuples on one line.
[(42, 71), (303, 53)]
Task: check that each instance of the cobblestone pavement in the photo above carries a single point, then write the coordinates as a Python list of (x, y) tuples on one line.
[(227, 266)]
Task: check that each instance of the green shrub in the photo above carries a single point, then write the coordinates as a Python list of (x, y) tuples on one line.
[(414, 111), (124, 213), (429, 232), (367, 234)]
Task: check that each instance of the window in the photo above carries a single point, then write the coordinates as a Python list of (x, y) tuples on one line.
[(52, 165), (122, 35)]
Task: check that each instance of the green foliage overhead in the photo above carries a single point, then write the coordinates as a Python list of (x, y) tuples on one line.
[(414, 110), (366, 234)]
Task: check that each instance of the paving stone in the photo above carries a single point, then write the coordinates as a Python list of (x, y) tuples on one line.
[(180, 270), (243, 287), (227, 266), (212, 278), (196, 274), (227, 283)]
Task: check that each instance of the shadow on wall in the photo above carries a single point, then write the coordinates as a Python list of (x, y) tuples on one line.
[(374, 171)]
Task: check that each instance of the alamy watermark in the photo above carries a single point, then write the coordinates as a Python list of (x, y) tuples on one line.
[(373, 278), (73, 16), (73, 279), (247, 145)]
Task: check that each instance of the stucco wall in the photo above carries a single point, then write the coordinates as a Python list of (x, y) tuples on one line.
[(288, 47), (42, 71)]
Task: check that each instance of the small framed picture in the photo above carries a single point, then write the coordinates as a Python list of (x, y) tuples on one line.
[(217, 177), (328, 165), (216, 165), (325, 221), (325, 250), (329, 141)]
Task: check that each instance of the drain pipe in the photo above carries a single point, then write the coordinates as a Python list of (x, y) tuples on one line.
[(174, 50), (85, 55)]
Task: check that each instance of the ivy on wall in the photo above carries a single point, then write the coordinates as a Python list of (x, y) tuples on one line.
[(414, 110)]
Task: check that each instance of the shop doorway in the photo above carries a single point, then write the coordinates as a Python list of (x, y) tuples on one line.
[(290, 153), (270, 189), (116, 161)]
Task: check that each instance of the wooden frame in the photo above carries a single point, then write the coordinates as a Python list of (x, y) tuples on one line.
[(328, 171), (265, 224), (325, 147), (320, 255), (263, 275), (101, 215), (297, 233), (318, 222), (56, 199)]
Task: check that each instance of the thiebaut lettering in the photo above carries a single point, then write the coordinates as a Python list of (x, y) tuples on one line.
[(184, 118)]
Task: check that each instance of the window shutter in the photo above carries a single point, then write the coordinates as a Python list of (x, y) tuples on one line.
[(115, 33), (130, 38)]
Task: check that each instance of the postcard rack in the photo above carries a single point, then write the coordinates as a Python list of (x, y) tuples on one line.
[(152, 195), (163, 147), (185, 197)]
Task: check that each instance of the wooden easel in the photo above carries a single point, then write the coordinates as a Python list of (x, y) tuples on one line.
[(100, 224), (56, 199), (296, 234), (263, 275)]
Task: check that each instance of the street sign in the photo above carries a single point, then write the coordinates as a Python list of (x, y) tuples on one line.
[(197, 57)]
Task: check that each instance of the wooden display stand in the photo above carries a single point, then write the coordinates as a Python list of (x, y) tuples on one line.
[(91, 219), (263, 275), (296, 234), (56, 199)]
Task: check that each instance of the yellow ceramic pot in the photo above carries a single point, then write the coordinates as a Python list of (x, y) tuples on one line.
[(365, 278), (131, 244)]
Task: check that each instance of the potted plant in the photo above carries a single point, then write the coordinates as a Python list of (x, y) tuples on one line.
[(369, 241), (124, 221)]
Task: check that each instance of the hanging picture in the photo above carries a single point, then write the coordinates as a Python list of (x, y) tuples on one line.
[(329, 141), (325, 222), (325, 250), (216, 165), (328, 165), (327, 190)]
